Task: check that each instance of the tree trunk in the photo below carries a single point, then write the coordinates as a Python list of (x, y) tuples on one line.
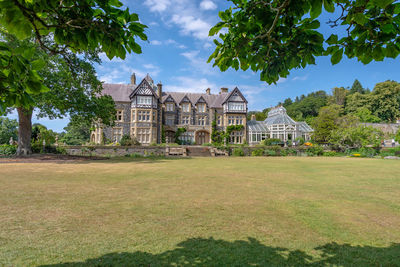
[(24, 132)]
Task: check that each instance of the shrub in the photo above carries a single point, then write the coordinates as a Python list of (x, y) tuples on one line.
[(288, 152), (61, 150), (238, 152), (368, 152), (329, 154), (127, 140), (272, 142), (207, 144), (8, 150), (258, 152), (269, 152), (315, 150)]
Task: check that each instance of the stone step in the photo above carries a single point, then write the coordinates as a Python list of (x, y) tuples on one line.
[(198, 152)]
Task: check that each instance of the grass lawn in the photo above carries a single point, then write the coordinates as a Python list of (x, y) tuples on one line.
[(201, 212)]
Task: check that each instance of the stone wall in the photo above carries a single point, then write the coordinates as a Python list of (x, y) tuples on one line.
[(386, 128), (112, 151)]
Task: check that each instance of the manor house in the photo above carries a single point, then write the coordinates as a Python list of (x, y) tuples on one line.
[(145, 112)]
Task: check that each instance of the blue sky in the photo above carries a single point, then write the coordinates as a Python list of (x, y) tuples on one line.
[(179, 47)]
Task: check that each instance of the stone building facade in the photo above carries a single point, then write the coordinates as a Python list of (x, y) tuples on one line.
[(144, 111)]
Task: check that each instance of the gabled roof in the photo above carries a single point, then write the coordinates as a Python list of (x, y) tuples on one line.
[(201, 100), (144, 88), (118, 92), (186, 99), (212, 100), (233, 93)]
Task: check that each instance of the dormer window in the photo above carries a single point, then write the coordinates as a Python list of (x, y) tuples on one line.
[(201, 108), (233, 106), (185, 107), (169, 106), (144, 100)]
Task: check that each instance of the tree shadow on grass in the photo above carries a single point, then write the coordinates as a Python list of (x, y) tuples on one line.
[(211, 252)]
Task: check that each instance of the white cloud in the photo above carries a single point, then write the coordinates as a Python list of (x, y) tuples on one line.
[(157, 5), (156, 42), (189, 84), (185, 14), (122, 72), (208, 5), (198, 63), (192, 26), (300, 78)]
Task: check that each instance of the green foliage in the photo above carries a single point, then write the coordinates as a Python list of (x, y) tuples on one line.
[(307, 106), (355, 137), (276, 36), (8, 150), (207, 144), (238, 152), (77, 132), (315, 150), (272, 142), (339, 96), (127, 140), (397, 136), (357, 88), (178, 133), (356, 101), (40, 133), (330, 154), (386, 100), (325, 123), (257, 152), (260, 115), (8, 129), (163, 139), (365, 115), (270, 153)]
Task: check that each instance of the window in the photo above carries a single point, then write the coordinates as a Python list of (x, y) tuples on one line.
[(143, 135), (133, 115), (236, 106), (117, 134), (202, 120), (219, 120), (201, 108), (120, 115), (231, 120), (143, 115), (170, 120), (185, 107), (144, 100), (170, 106), (187, 138), (236, 137), (154, 115), (185, 120)]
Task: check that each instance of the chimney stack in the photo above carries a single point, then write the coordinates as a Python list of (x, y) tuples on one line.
[(159, 90), (133, 79), (253, 117), (224, 90), (208, 91)]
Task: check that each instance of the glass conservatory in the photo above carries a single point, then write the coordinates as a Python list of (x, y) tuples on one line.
[(277, 125)]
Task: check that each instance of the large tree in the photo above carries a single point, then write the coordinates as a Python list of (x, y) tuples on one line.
[(276, 36), (59, 28), (386, 101)]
